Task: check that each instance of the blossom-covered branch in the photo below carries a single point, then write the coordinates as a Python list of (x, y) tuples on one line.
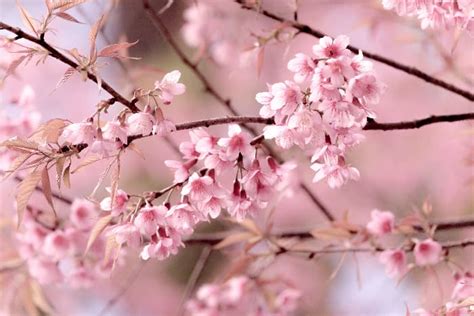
[(53, 52), (304, 28), (155, 19)]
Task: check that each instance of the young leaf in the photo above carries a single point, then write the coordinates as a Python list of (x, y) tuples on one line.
[(59, 170), (28, 21), (233, 239), (67, 17), (64, 5), (25, 190), (93, 37), (98, 228), (46, 186), (67, 176), (114, 50)]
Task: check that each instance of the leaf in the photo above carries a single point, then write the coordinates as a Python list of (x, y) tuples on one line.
[(251, 226), (46, 188), (233, 239), (98, 228), (330, 233), (136, 149), (260, 59), (27, 19), (469, 301), (93, 37), (67, 17), (67, 176), (59, 170), (40, 299), (18, 162), (64, 5), (68, 74), (114, 50), (25, 190), (14, 65), (49, 132), (16, 143)]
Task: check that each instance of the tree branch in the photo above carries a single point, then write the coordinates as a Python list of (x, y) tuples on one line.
[(53, 52), (303, 28)]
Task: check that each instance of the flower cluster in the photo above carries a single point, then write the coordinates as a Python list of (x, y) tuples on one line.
[(212, 27), (324, 109), (426, 252), (54, 250), (115, 134), (20, 119), (243, 296), (436, 13)]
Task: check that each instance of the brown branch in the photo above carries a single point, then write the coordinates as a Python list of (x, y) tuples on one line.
[(373, 125), (303, 28), (157, 22), (53, 52)]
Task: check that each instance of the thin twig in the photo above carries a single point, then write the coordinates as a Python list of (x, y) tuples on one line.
[(304, 28), (194, 277)]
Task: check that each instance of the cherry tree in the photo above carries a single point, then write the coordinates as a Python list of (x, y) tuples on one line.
[(225, 180)]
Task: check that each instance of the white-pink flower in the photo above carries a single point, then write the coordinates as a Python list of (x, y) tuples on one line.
[(170, 87), (198, 188), (56, 245), (303, 67), (381, 223), (329, 48), (395, 262), (366, 87), (149, 218), (140, 124), (113, 131), (83, 214), (237, 143), (78, 133), (118, 206), (427, 252)]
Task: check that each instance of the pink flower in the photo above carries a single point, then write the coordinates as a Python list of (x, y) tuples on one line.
[(167, 244), (329, 48), (258, 184), (303, 67), (464, 287), (286, 96), (183, 217), (125, 234), (44, 270), (56, 245), (169, 86), (149, 218), (337, 173), (395, 262), (381, 223), (113, 131), (287, 300), (181, 169), (140, 124), (118, 206), (102, 147), (337, 70), (237, 142), (366, 87), (427, 252), (198, 188), (78, 133), (83, 214)]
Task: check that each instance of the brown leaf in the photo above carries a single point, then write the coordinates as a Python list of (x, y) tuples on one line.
[(330, 233), (14, 65), (25, 190), (59, 170), (64, 5), (98, 228), (114, 50), (68, 74), (46, 188), (233, 239), (93, 37), (40, 299), (67, 17), (27, 19), (49, 132), (67, 176)]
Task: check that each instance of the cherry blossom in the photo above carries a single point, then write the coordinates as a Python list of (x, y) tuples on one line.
[(427, 252), (381, 223), (395, 262), (170, 87)]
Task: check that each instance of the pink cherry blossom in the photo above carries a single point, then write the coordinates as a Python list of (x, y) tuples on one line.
[(237, 143), (83, 214), (464, 287), (113, 131), (78, 133), (427, 252), (140, 124), (395, 262), (149, 218), (56, 245), (125, 234), (303, 67), (167, 244), (329, 48), (198, 188), (366, 87), (119, 204), (170, 87), (44, 270), (381, 223)]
